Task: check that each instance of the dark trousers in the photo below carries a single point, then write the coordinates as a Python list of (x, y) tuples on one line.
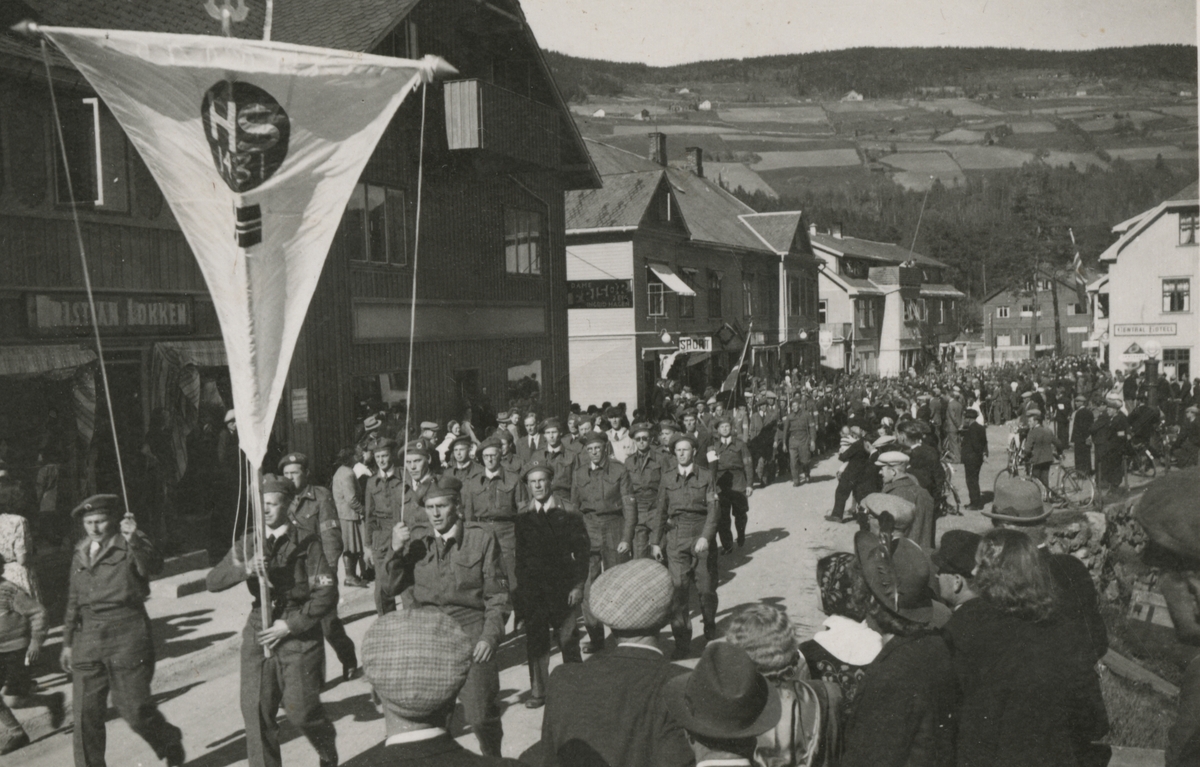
[(116, 655), (604, 531), (641, 532), (799, 457), (291, 677), (734, 507), (840, 496), (480, 693), (15, 673), (971, 467), (1041, 472), (550, 619), (687, 568), (1110, 467), (1083, 457), (335, 634), (381, 550)]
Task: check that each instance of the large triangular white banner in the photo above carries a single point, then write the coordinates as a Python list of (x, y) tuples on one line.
[(257, 147)]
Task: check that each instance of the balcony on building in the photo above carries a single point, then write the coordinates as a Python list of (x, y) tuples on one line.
[(505, 129)]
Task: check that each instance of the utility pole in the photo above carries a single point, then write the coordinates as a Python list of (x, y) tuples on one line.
[(1034, 324), (1058, 350)]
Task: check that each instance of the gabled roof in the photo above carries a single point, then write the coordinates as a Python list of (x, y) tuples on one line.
[(884, 252), (1188, 197), (619, 204), (777, 230), (610, 160), (1062, 277), (712, 213)]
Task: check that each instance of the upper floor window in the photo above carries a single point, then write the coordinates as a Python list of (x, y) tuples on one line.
[(96, 156), (822, 312), (1177, 295), (1075, 309), (402, 43), (1001, 312), (687, 304), (1027, 310), (913, 309), (941, 311), (374, 227), (865, 312), (714, 294), (523, 241), (793, 296), (656, 303), (748, 295), (853, 268), (1188, 222)]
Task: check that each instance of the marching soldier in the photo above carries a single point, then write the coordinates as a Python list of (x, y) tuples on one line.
[(383, 507), (646, 468), (303, 592), (798, 435), (444, 561), (603, 492), (552, 567), (667, 431), (492, 498), (558, 456), (694, 428), (106, 633), (688, 523), (313, 513), (730, 460)]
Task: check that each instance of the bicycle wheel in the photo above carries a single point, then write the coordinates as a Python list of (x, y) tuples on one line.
[(1077, 489), (1142, 465)]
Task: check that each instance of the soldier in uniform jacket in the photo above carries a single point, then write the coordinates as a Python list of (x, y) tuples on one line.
[(552, 567), (688, 499), (446, 562), (798, 435), (729, 458), (314, 513), (646, 468), (303, 590), (693, 426), (508, 454), (559, 456), (106, 633), (460, 464), (602, 490), (492, 498)]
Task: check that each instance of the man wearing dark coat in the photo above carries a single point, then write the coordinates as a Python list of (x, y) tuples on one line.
[(1080, 434), (729, 458), (974, 453), (1110, 435), (856, 475)]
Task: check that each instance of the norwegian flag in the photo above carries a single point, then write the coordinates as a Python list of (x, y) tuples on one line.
[(1077, 268)]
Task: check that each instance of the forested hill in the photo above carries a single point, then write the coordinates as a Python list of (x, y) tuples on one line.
[(885, 72)]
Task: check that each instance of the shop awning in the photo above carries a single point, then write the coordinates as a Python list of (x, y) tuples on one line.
[(34, 360), (205, 354), (695, 358), (671, 279)]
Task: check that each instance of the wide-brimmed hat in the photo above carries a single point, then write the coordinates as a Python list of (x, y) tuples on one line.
[(1018, 501), (1167, 510), (897, 572), (724, 696), (417, 660), (635, 596)]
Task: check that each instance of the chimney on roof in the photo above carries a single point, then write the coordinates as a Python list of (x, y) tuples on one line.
[(812, 229), (836, 230), (695, 160), (658, 148)]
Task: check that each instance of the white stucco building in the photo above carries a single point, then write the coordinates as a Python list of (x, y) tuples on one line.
[(1145, 305)]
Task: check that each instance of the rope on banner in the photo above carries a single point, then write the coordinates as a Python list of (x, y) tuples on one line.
[(87, 279)]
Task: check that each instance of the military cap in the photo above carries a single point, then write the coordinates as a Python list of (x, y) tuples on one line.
[(491, 443), (229, 416), (533, 466), (297, 458), (595, 437), (417, 660), (417, 447), (103, 503), (722, 419), (641, 427), (550, 423), (504, 435), (635, 596), (281, 485), (667, 424), (892, 458), (685, 438), (463, 440), (381, 443), (585, 419), (429, 426), (446, 486), (688, 411), (613, 412)]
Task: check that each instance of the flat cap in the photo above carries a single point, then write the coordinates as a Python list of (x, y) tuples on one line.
[(633, 596), (429, 426), (417, 660), (892, 458), (297, 458), (105, 503)]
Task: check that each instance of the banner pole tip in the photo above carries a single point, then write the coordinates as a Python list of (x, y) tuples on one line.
[(435, 67), (26, 28)]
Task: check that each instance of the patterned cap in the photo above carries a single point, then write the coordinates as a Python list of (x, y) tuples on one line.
[(97, 504), (633, 596), (297, 458), (417, 660)]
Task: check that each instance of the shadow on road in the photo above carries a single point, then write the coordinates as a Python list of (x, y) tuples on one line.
[(167, 631), (755, 541)]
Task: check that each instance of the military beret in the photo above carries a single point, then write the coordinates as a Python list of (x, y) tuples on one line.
[(281, 485), (892, 458), (537, 466), (297, 458), (667, 424), (550, 423), (229, 416), (640, 428), (595, 437), (417, 447), (491, 443), (463, 440), (103, 503), (417, 660), (685, 438), (633, 596), (381, 443), (444, 487), (721, 420), (429, 426), (688, 411)]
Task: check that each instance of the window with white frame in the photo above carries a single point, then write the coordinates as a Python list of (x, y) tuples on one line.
[(687, 304), (1025, 339), (823, 311), (1074, 309), (656, 304), (1002, 312), (941, 311), (714, 294), (1004, 340), (97, 156), (1177, 295), (1188, 222), (523, 232)]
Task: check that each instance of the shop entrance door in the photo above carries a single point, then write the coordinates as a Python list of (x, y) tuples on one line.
[(125, 389)]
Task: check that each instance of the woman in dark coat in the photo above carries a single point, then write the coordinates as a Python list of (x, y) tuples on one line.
[(1024, 697)]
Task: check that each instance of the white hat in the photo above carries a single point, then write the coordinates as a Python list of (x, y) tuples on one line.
[(892, 458)]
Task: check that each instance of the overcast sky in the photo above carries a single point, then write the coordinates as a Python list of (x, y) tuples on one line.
[(675, 31)]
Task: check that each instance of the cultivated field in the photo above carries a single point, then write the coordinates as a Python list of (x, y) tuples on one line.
[(823, 158)]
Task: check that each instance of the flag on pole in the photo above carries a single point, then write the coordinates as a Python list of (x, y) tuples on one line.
[(1077, 270), (731, 380), (257, 147)]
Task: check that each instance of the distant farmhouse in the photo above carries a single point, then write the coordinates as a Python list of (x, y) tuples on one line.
[(852, 96), (705, 105)]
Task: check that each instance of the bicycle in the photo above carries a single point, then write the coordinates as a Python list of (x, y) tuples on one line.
[(1070, 487), (1019, 468), (948, 503), (1141, 461)]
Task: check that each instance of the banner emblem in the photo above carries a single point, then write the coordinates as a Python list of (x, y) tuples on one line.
[(247, 131)]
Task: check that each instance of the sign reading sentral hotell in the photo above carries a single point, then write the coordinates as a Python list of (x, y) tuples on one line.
[(66, 314), (1162, 329), (599, 294)]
